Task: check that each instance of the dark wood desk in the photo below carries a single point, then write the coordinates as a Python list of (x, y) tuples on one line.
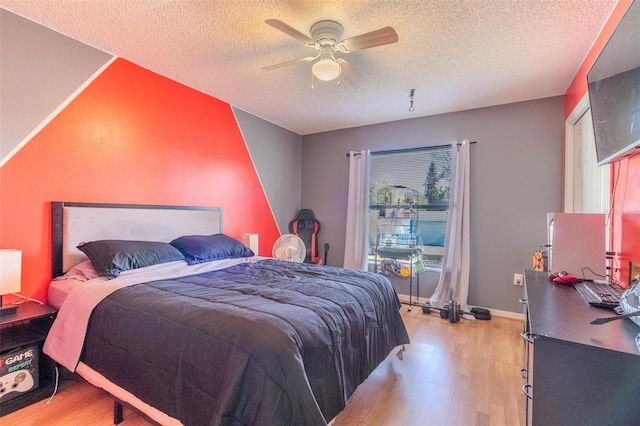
[(577, 373)]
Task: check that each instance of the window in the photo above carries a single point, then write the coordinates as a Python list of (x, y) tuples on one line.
[(413, 179)]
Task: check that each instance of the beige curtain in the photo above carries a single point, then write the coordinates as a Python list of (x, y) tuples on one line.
[(454, 276), (356, 244)]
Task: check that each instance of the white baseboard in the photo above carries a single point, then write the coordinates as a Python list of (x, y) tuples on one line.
[(404, 298)]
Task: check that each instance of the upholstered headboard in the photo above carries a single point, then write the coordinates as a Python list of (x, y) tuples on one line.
[(73, 223)]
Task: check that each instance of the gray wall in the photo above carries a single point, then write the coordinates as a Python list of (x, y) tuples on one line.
[(276, 154), (516, 178), (31, 58)]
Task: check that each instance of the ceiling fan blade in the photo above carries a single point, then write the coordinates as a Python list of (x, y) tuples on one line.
[(295, 61), (290, 31), (349, 73), (375, 38)]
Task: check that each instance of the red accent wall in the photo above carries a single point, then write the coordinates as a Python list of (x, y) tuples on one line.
[(625, 181), (625, 215), (131, 136)]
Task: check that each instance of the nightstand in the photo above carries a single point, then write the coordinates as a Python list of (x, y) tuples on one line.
[(22, 336)]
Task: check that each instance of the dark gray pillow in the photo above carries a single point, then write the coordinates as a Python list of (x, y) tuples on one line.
[(110, 257), (203, 248)]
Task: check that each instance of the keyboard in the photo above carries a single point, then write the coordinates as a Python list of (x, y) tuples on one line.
[(601, 295)]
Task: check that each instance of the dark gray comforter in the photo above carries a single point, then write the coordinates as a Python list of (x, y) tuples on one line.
[(267, 343)]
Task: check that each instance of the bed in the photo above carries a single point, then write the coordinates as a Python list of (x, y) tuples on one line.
[(219, 336)]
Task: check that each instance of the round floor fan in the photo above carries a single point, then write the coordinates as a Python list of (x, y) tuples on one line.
[(289, 247)]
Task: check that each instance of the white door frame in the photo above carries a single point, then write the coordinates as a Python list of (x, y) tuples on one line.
[(569, 150), (604, 172)]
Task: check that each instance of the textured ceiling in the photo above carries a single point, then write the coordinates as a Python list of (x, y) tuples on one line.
[(456, 54)]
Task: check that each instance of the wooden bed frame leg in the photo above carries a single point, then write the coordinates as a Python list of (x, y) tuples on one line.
[(117, 412)]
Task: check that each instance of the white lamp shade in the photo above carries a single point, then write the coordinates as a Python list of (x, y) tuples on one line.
[(10, 271), (326, 69)]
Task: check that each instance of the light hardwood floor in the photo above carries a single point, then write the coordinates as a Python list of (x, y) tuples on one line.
[(452, 374)]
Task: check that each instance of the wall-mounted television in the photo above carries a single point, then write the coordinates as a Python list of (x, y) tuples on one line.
[(614, 91)]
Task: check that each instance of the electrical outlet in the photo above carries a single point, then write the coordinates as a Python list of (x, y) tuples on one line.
[(517, 279)]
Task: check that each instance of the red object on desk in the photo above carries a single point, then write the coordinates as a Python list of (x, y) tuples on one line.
[(563, 278)]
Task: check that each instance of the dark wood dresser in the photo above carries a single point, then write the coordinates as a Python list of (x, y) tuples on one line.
[(577, 373)]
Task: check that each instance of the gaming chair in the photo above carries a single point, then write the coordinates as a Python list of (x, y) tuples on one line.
[(307, 227)]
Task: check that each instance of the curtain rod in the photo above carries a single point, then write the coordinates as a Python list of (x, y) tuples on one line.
[(424, 148)]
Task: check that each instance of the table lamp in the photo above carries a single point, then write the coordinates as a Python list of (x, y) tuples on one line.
[(251, 241), (10, 276)]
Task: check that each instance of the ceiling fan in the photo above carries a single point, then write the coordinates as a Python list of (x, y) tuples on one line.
[(326, 39)]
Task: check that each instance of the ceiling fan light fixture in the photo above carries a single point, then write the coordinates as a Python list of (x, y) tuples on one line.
[(326, 39), (326, 70)]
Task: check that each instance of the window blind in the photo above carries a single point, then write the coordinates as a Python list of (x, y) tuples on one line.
[(425, 170)]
